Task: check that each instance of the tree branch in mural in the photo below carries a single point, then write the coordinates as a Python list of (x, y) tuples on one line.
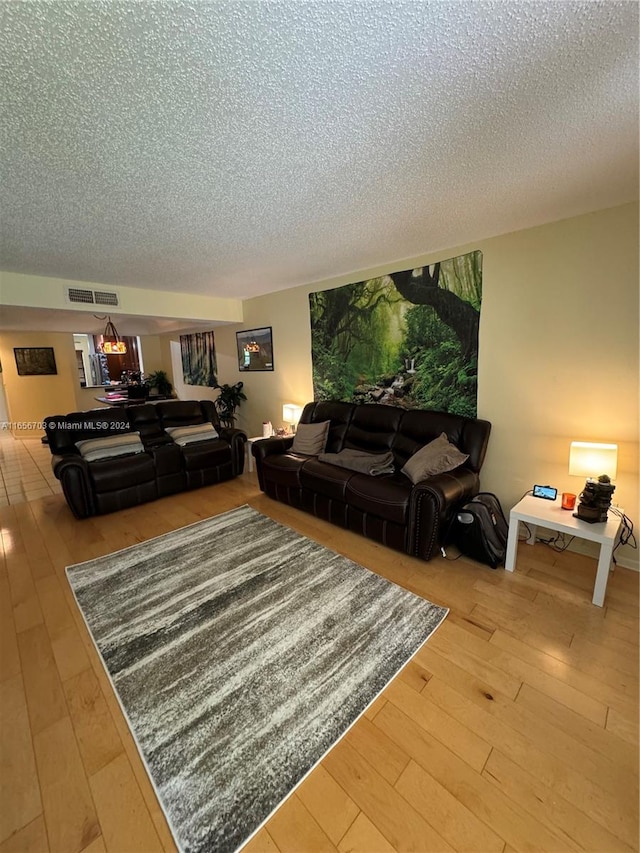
[(342, 317), (408, 339), (422, 289)]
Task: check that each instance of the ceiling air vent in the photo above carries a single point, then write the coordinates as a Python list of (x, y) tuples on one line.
[(106, 297), (83, 296), (77, 294)]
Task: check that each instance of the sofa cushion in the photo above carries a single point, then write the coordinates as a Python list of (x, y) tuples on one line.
[(145, 420), (386, 497), (311, 439), (92, 449), (434, 458), (110, 475), (180, 413), (206, 454), (189, 434), (63, 431), (339, 415), (284, 468), (325, 479), (373, 428)]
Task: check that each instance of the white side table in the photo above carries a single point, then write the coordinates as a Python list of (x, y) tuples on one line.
[(550, 514), (249, 453)]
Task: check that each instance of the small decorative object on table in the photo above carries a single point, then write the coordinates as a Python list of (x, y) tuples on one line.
[(595, 499), (585, 460)]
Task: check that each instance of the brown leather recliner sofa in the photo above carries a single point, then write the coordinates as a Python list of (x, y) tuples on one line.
[(390, 509), (155, 466)]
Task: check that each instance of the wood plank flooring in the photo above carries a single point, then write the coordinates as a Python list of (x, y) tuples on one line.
[(515, 728)]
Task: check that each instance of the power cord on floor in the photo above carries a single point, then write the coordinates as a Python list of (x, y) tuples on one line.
[(443, 551), (557, 543), (627, 536)]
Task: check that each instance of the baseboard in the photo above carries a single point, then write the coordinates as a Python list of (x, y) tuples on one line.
[(628, 564)]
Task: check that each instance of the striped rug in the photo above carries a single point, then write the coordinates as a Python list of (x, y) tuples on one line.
[(241, 652)]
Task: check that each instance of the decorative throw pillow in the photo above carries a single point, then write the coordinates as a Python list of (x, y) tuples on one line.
[(434, 458), (311, 439), (93, 449), (189, 434)]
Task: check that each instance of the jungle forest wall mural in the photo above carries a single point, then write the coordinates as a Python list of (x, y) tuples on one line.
[(407, 339)]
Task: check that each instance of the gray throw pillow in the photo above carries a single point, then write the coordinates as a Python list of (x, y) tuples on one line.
[(311, 439), (434, 458), (190, 434), (94, 449)]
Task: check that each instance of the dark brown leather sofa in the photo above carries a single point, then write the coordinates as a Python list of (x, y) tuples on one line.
[(163, 468), (389, 508)]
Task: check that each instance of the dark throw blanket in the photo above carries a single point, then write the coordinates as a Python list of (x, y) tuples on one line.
[(373, 464)]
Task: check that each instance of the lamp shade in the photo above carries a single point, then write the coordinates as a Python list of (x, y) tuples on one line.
[(291, 413), (587, 459), (111, 341)]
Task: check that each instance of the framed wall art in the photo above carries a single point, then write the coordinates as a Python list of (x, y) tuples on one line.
[(35, 361), (255, 349), (199, 364)]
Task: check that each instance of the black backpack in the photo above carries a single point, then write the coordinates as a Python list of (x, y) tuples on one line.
[(479, 529)]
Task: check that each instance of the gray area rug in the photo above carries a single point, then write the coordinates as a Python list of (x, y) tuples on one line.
[(241, 651)]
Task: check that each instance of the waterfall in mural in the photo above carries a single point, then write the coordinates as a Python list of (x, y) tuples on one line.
[(199, 359), (407, 339)]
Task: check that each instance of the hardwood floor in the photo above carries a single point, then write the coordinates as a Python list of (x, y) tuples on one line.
[(514, 728)]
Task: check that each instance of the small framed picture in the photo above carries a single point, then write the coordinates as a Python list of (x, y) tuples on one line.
[(35, 361), (255, 349)]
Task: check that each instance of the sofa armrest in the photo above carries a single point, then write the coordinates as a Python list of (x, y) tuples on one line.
[(433, 502), (269, 447), (73, 473), (237, 439)]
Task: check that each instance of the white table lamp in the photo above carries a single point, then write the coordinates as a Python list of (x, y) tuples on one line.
[(589, 459), (291, 414), (599, 464)]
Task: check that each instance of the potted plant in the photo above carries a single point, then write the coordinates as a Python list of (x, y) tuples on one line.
[(230, 397), (159, 380)]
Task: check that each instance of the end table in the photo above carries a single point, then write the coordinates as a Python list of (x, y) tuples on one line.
[(549, 514)]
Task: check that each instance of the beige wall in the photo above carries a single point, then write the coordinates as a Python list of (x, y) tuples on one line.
[(558, 351), (30, 399)]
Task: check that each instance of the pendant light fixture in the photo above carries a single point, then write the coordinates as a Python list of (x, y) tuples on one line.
[(112, 344)]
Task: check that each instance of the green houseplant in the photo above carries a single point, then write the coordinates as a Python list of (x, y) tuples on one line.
[(159, 380), (230, 397)]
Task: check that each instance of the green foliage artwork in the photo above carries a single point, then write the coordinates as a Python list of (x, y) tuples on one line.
[(199, 359), (407, 339)]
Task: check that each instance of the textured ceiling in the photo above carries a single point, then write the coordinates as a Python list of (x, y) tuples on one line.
[(235, 148)]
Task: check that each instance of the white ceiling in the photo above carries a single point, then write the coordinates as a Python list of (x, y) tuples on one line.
[(236, 147)]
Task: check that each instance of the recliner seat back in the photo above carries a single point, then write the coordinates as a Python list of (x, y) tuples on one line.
[(63, 431)]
